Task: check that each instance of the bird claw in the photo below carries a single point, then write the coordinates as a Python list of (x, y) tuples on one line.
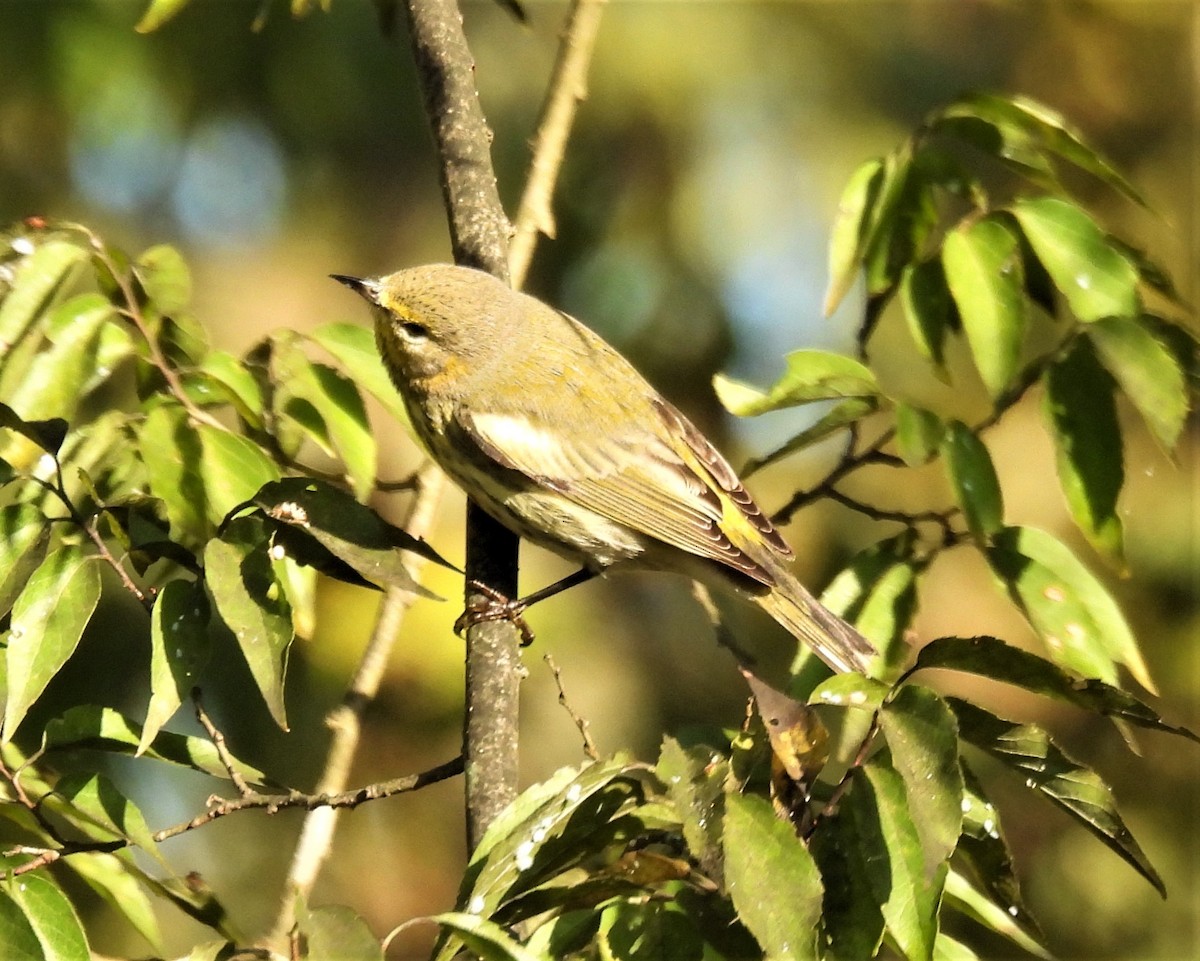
[(485, 603)]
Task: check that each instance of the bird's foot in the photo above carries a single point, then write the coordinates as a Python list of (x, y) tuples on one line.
[(485, 603)]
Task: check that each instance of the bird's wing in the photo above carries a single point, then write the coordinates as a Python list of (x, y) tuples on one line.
[(635, 478)]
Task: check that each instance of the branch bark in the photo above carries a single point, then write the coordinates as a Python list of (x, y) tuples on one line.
[(479, 233)]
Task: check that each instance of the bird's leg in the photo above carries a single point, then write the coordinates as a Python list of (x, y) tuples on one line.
[(488, 604)]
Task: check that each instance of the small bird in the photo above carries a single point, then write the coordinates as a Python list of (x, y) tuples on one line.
[(556, 435)]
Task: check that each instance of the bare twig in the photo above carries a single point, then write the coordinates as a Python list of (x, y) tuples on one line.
[(589, 746), (567, 88)]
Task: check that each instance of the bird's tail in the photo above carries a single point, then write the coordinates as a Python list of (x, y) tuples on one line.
[(835, 641)]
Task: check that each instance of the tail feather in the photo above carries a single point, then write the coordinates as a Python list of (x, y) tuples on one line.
[(834, 640)]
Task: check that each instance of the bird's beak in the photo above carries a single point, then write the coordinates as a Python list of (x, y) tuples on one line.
[(367, 289)]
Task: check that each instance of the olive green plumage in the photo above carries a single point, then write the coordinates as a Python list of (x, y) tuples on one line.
[(558, 437)]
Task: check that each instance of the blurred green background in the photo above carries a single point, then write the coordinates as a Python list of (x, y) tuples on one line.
[(693, 215)]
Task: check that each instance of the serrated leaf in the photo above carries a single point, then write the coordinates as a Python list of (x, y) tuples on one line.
[(111, 878), (973, 480), (922, 736), (772, 878), (918, 434), (811, 375), (1082, 412), (44, 926), (848, 230), (929, 309), (991, 658), (158, 13), (982, 261), (90, 727), (908, 897), (251, 602), (335, 931), (350, 531), (1148, 372), (1096, 279), (843, 413), (1062, 600), (36, 282), (353, 347), (1075, 788), (47, 622), (179, 648)]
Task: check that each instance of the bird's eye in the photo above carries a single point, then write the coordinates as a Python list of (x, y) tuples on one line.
[(414, 331)]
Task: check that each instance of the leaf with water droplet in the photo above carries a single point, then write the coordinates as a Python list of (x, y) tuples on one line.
[(179, 648)]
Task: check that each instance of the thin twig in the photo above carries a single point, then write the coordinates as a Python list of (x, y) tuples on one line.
[(589, 746), (567, 89), (850, 462), (217, 737)]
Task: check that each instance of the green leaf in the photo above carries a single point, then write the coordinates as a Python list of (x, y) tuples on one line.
[(849, 851), (1082, 411), (929, 309), (46, 434), (982, 260), (967, 899), (877, 592), (641, 930), (171, 451), (111, 878), (849, 227), (1071, 611), (47, 622), (483, 938), (851, 690), (696, 787), (843, 413), (244, 391), (24, 534), (179, 648), (158, 13), (93, 805), (165, 277), (1148, 372), (56, 380), (923, 739), (252, 604), (349, 531), (946, 948), (36, 282), (973, 479), (993, 659), (900, 216), (335, 931), (983, 852), (908, 896), (772, 878), (233, 469), (38, 923), (919, 434), (811, 375), (1096, 279), (90, 727), (353, 347), (1044, 129), (1075, 788)]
